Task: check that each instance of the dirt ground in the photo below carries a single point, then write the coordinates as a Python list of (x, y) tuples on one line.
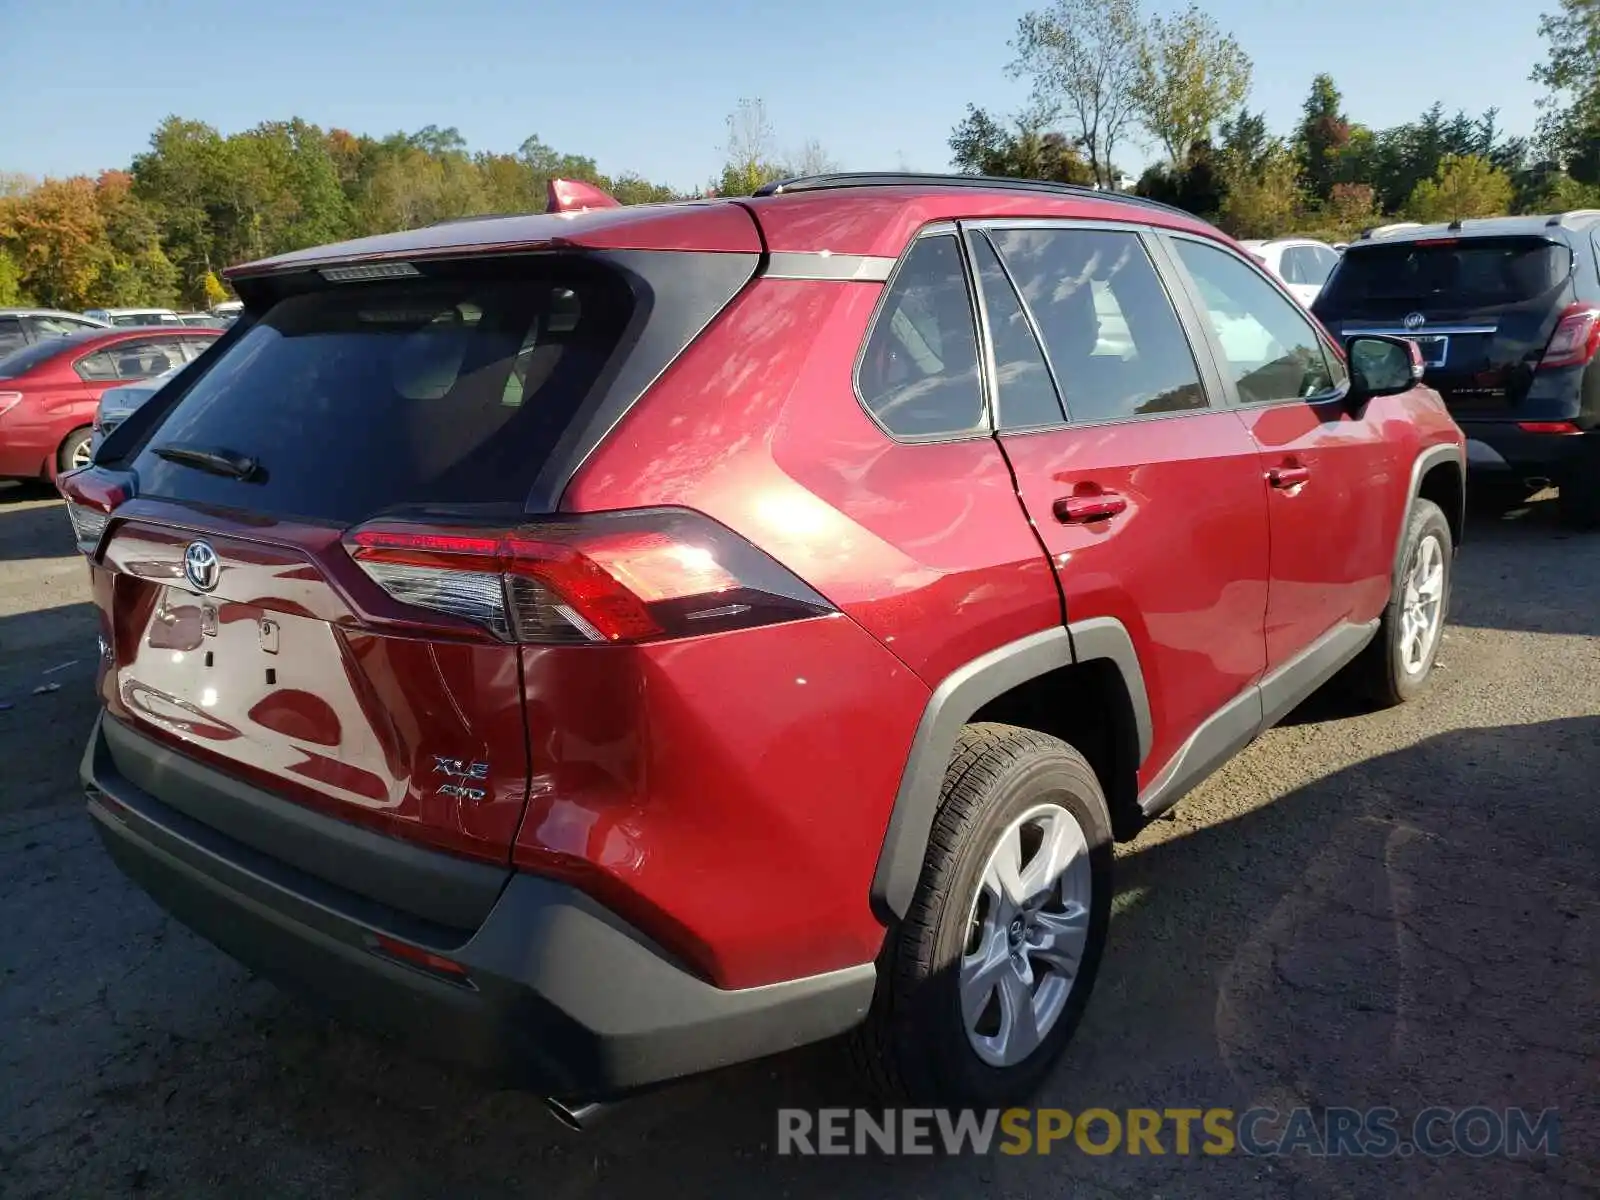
[(1398, 909)]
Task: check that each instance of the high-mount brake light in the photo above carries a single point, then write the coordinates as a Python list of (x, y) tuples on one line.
[(1576, 339), (91, 499), (361, 272), (592, 579)]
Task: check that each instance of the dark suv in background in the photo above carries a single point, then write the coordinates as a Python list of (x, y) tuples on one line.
[(1507, 313)]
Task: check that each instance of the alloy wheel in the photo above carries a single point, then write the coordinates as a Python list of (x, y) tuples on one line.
[(1026, 935), (1422, 604)]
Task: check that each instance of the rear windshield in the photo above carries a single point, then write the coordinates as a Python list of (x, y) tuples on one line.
[(20, 362), (1472, 273), (361, 397)]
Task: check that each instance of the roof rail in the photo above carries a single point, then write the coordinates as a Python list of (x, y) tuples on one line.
[(1561, 218), (850, 179)]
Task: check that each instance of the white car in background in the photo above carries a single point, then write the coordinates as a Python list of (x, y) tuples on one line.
[(121, 317), (1303, 264)]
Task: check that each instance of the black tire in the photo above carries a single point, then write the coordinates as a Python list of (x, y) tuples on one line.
[(914, 1045), (1379, 675), (70, 446)]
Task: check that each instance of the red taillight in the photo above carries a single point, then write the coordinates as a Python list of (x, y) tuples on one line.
[(1575, 340), (1548, 427), (91, 499), (611, 577)]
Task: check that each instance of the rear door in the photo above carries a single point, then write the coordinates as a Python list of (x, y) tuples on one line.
[(1332, 473), (1146, 493), (1482, 309), (244, 634)]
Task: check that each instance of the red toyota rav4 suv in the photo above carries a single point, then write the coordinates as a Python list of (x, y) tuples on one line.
[(611, 644)]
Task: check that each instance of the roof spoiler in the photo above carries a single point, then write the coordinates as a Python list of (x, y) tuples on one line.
[(573, 195)]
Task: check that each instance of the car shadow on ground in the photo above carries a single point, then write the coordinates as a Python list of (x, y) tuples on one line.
[(1419, 929), (30, 525)]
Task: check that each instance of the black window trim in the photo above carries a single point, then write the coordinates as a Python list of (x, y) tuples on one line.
[(970, 232), (1333, 395), (941, 228), (1190, 321)]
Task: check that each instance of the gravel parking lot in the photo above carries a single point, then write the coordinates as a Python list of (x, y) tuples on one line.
[(1397, 909)]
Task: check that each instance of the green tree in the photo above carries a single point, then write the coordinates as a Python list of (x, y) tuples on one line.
[(1190, 75), (750, 156), (1021, 149), (1324, 133), (1082, 59), (183, 177), (1246, 143), (1463, 186), (11, 292), (1569, 128), (1261, 200), (134, 270)]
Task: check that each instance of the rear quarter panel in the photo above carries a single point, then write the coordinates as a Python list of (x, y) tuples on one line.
[(768, 782)]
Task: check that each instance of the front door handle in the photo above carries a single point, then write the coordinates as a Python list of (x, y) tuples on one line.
[(1090, 506), (1288, 477)]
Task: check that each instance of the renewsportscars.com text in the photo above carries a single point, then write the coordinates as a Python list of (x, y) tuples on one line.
[(1477, 1132)]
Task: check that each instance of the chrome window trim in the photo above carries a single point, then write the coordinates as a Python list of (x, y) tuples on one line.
[(825, 265)]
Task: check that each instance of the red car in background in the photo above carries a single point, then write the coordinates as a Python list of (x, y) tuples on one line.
[(49, 390)]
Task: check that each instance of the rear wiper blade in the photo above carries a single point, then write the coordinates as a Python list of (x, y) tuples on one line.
[(214, 460)]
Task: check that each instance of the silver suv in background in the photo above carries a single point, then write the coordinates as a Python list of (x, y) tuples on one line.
[(118, 403), (21, 327)]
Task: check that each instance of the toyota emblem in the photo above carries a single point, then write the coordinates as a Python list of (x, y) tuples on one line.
[(201, 566), (1415, 320)]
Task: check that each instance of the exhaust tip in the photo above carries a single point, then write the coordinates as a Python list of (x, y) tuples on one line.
[(575, 1117)]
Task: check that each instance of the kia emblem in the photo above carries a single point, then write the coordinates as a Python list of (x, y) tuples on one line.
[(201, 566)]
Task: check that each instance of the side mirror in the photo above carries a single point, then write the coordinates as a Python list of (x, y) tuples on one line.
[(1383, 366)]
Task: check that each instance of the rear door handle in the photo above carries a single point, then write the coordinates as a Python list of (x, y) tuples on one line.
[(1094, 506), (1288, 477)]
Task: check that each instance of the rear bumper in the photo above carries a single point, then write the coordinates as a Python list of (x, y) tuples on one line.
[(1502, 446), (560, 995)]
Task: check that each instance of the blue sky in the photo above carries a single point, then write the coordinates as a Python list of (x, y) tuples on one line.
[(645, 85)]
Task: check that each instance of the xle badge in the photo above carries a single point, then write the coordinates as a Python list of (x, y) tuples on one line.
[(462, 776)]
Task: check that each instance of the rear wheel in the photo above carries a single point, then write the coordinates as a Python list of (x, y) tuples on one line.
[(74, 451), (1396, 665), (989, 973)]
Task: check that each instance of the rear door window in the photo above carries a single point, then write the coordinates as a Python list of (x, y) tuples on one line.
[(1465, 273), (919, 373), (1111, 333), (447, 390)]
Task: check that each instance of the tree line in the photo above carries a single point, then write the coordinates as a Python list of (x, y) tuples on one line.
[(1104, 76)]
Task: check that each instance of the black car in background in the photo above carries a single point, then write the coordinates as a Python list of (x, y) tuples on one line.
[(1506, 311)]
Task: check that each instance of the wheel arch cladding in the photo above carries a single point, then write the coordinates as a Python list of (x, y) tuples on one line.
[(1439, 474), (975, 689)]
